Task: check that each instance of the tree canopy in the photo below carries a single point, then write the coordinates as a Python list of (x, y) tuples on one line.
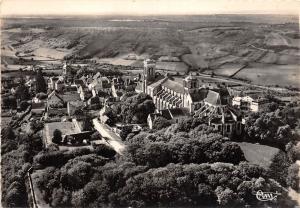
[(269, 128), (133, 108), (22, 91), (40, 82), (163, 147)]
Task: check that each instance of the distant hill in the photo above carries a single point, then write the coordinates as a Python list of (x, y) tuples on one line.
[(203, 42)]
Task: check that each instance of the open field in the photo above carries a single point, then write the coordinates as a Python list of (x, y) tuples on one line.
[(258, 154), (172, 66), (218, 62), (228, 69), (269, 58), (207, 42), (195, 61), (288, 59), (115, 61), (50, 53), (262, 74)]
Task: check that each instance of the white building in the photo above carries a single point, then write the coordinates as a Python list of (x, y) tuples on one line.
[(250, 103)]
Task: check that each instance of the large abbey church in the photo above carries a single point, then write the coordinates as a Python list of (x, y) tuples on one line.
[(200, 101), (167, 93)]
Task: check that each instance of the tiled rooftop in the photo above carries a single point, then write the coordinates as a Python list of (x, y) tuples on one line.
[(172, 85), (213, 98), (70, 96), (199, 95)]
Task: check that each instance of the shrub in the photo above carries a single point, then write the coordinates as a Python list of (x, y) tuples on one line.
[(36, 125), (104, 150), (160, 123), (95, 136), (23, 105), (57, 136)]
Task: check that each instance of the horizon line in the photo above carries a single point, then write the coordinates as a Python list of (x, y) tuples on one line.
[(134, 15)]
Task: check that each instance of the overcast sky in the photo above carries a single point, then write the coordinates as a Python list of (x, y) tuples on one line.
[(146, 7)]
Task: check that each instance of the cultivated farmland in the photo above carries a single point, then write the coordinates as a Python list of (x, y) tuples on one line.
[(219, 44), (271, 74)]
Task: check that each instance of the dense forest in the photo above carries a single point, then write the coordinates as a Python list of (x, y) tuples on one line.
[(184, 164)]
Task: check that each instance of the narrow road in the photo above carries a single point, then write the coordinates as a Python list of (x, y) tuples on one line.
[(40, 202), (261, 49), (113, 139)]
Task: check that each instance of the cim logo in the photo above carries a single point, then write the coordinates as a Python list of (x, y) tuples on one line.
[(266, 196)]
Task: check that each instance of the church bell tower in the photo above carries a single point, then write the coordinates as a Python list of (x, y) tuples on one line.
[(148, 73), (190, 84)]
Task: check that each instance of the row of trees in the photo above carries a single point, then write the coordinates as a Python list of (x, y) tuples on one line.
[(41, 85), (22, 92), (17, 151), (273, 128)]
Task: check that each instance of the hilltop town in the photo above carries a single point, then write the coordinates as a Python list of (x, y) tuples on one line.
[(77, 132), (105, 112)]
